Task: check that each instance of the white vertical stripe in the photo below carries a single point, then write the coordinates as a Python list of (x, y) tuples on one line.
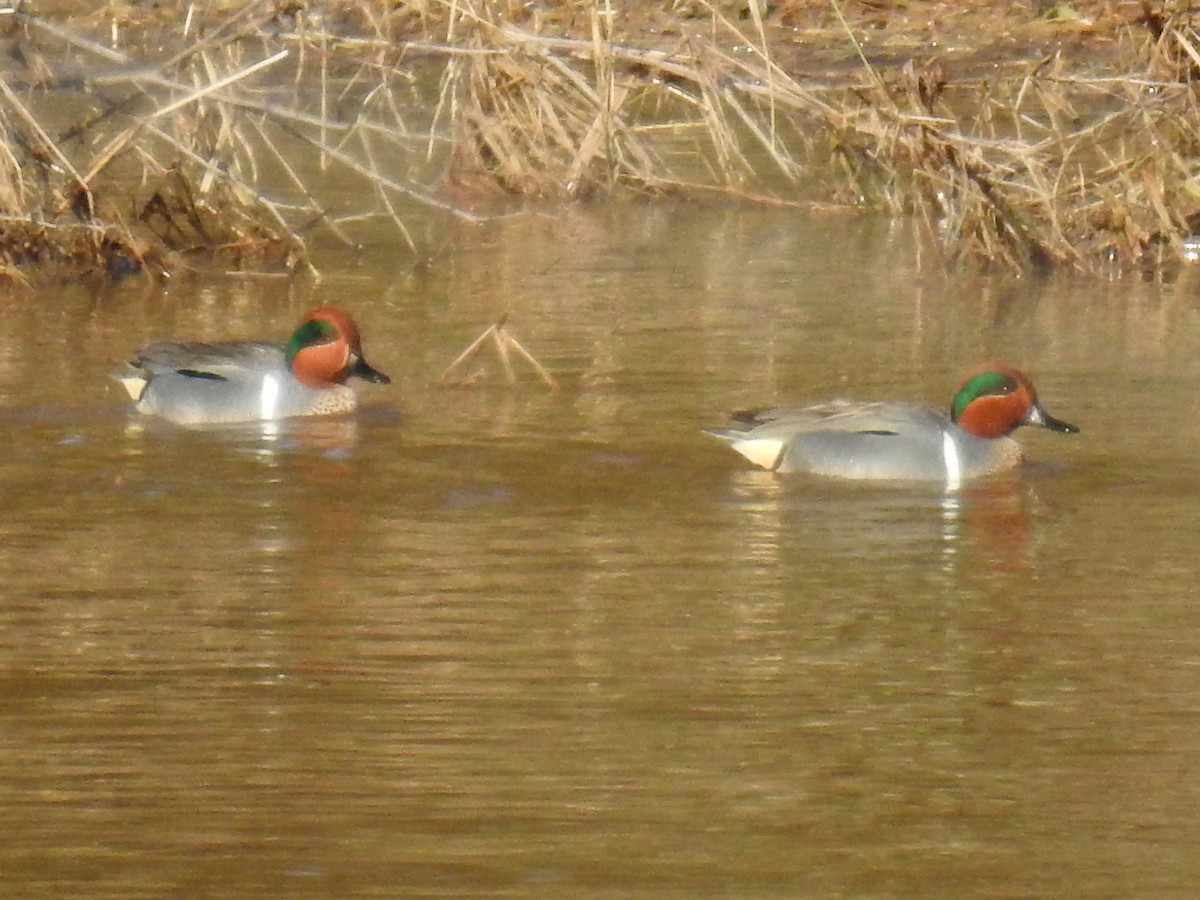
[(268, 397), (953, 465)]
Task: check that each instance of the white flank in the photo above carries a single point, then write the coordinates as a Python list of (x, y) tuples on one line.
[(953, 466), (268, 397), (761, 451)]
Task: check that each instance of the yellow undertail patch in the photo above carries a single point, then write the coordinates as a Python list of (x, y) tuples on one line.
[(762, 452), (134, 384)]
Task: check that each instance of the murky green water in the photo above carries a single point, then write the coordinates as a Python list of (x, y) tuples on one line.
[(498, 641)]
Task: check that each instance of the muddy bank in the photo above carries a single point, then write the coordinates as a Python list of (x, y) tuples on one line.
[(152, 140)]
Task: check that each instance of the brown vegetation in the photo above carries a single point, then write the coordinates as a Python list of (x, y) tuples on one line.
[(1027, 136)]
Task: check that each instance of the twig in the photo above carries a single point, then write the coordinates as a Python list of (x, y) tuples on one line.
[(504, 341), (44, 138), (122, 140)]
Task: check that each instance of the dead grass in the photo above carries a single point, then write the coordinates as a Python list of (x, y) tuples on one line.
[(464, 371), (232, 146), (1050, 162)]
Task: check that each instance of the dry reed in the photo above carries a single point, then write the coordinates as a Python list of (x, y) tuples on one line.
[(240, 144), (1039, 166), (462, 371)]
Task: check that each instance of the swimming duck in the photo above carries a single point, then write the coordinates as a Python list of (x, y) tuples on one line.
[(897, 440), (193, 383)]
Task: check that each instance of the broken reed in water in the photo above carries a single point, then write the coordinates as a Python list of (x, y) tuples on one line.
[(158, 164)]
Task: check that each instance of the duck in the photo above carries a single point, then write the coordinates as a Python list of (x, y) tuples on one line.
[(196, 383), (894, 440)]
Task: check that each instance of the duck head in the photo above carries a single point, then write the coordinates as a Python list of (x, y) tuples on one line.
[(325, 350), (992, 404)]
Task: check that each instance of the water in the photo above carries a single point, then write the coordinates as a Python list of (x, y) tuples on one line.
[(503, 641)]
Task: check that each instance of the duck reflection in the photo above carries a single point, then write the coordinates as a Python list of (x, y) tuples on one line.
[(988, 524)]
